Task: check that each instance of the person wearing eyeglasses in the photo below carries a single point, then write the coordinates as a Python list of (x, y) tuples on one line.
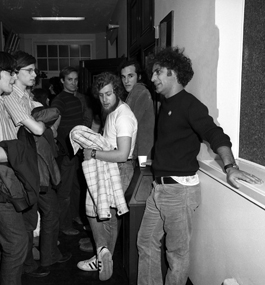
[(19, 105), (13, 235)]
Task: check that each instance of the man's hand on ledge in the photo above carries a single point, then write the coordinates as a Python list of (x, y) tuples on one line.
[(234, 174)]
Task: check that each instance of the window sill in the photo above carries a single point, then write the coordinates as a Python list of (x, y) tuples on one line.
[(253, 192)]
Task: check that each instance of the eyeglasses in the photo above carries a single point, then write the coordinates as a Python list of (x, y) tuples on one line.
[(11, 72), (30, 70)]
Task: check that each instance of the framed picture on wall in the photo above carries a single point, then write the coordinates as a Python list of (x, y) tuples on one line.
[(166, 31)]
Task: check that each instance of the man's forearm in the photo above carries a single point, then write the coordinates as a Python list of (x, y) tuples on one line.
[(226, 155)]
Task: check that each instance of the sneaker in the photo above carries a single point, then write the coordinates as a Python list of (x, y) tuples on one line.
[(87, 246), (71, 232), (89, 264), (84, 240), (105, 263)]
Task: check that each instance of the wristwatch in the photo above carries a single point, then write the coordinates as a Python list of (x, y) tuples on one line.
[(93, 153), (234, 165)]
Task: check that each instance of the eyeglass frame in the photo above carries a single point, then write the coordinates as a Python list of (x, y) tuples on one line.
[(30, 70)]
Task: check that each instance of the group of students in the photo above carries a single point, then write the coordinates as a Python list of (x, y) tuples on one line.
[(108, 162)]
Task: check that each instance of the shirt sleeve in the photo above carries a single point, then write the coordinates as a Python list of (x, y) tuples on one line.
[(16, 109), (125, 126)]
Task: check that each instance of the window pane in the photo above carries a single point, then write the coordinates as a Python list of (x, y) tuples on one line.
[(85, 50), (63, 51), (42, 64), (41, 51), (74, 62), (63, 63), (74, 51), (52, 51), (53, 64)]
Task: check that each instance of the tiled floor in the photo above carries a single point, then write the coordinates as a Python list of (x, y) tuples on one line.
[(68, 274)]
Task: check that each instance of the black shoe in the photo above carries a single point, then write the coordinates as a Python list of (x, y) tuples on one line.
[(41, 271), (65, 257)]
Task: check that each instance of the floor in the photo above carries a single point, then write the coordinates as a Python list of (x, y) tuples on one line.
[(68, 273)]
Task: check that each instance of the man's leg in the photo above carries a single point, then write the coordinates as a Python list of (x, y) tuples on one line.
[(30, 217), (14, 241), (68, 172), (149, 243), (49, 212), (178, 203)]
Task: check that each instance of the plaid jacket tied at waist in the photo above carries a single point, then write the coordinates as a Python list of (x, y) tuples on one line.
[(102, 178)]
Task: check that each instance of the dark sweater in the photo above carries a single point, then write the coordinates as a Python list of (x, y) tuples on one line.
[(71, 112), (183, 123)]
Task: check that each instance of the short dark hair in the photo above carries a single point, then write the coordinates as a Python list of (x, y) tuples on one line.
[(41, 95), (23, 59), (138, 69), (66, 71), (104, 79), (173, 58), (7, 61)]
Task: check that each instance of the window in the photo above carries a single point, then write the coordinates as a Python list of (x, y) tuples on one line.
[(54, 57)]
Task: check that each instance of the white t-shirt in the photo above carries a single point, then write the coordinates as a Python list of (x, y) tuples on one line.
[(121, 123)]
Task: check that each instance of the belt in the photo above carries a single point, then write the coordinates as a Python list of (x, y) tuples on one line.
[(165, 180)]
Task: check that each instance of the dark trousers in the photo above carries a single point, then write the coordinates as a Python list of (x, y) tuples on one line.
[(14, 242), (68, 169), (47, 205), (49, 228)]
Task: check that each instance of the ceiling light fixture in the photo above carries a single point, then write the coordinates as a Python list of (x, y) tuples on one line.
[(58, 18)]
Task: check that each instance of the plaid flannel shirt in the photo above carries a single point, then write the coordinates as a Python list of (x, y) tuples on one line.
[(102, 178)]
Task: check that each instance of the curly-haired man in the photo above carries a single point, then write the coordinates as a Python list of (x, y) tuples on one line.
[(183, 123), (120, 130)]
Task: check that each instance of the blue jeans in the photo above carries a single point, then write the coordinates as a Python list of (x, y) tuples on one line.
[(169, 211), (14, 243), (105, 232)]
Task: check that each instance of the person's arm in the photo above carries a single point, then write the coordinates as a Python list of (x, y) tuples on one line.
[(118, 155), (234, 173), (3, 156), (37, 128), (55, 126)]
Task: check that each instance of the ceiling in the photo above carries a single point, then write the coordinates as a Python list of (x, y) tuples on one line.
[(16, 15)]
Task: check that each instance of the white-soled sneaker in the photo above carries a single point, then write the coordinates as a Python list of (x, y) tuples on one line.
[(89, 264), (105, 263)]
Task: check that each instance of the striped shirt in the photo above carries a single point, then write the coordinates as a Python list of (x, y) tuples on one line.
[(17, 106)]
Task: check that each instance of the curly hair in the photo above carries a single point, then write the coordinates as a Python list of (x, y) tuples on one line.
[(104, 79), (173, 58)]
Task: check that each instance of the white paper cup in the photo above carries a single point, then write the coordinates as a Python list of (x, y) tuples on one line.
[(142, 159)]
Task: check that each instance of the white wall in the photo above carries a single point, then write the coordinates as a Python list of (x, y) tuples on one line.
[(228, 237), (211, 33), (229, 230)]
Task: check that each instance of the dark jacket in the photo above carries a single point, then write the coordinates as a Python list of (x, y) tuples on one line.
[(19, 183), (44, 147)]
